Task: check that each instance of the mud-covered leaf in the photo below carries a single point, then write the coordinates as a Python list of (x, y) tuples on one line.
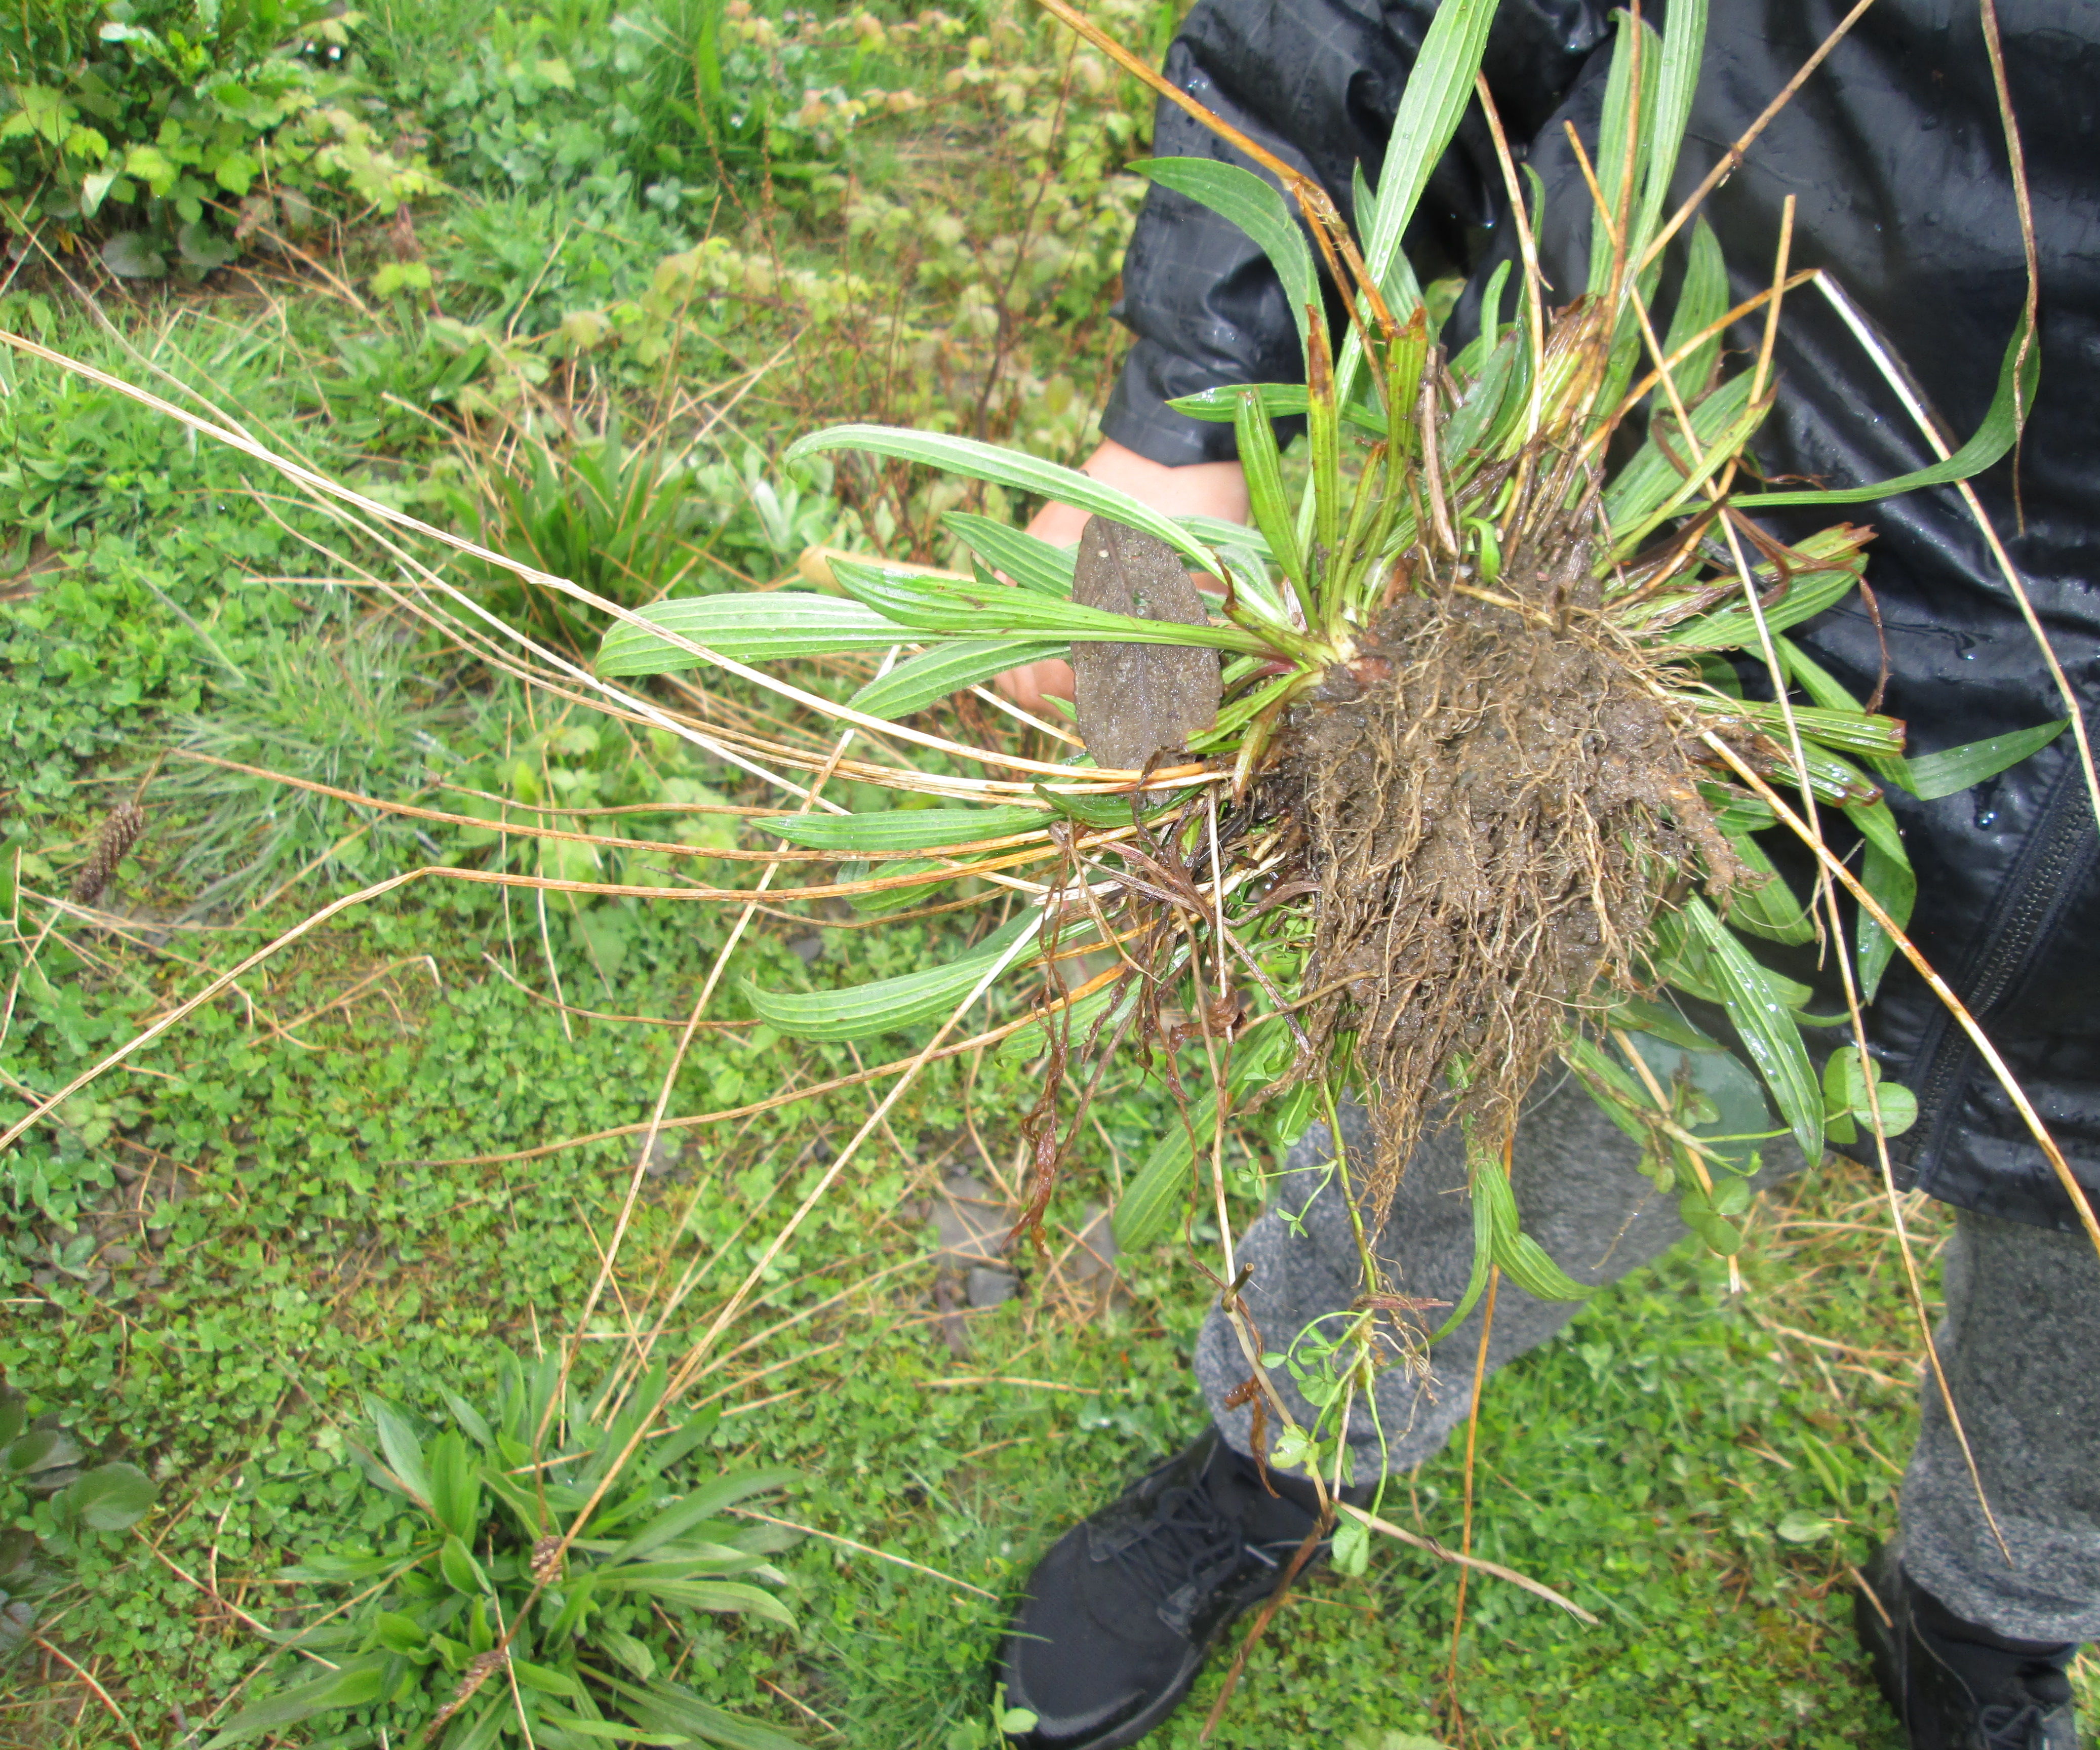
[(1134, 701)]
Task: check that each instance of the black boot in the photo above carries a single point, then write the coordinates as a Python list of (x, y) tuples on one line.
[(1957, 1686), (1122, 1610)]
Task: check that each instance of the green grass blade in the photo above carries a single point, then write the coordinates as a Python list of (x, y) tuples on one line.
[(1008, 468), (930, 677), (1265, 479), (1260, 209), (747, 628)]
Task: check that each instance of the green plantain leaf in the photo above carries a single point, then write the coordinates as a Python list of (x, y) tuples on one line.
[(1278, 401), (746, 629), (947, 605), (949, 667), (696, 1509), (404, 1451), (351, 1686), (1885, 871), (1613, 144), (1953, 770), (1757, 1004), (1260, 209), (1702, 303), (667, 1707), (1033, 564), (929, 829), (1683, 37), (1769, 908), (1263, 466), (1008, 468), (1650, 477), (1851, 731), (1735, 629), (861, 1011), (1992, 438)]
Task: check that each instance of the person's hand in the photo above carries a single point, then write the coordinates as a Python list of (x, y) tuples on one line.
[(1203, 489)]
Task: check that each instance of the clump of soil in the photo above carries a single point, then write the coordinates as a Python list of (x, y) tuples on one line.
[(1496, 802)]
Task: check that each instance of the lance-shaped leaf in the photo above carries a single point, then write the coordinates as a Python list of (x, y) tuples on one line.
[(946, 605), (1807, 594), (1258, 207), (1008, 468), (746, 629), (861, 1011), (1763, 1020), (949, 667), (1885, 871), (1683, 37), (1650, 477), (1853, 730), (1993, 437), (1701, 303), (930, 829), (1767, 907), (1933, 775), (1031, 562), (1625, 130)]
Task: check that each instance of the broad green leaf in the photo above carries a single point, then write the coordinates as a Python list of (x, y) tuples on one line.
[(469, 1419), (1278, 401), (544, 1678), (111, 1497), (669, 1706), (1260, 209), (352, 1687), (943, 605), (455, 1487), (1953, 770), (1767, 908), (1033, 564), (1463, 433), (612, 1731), (860, 1011), (1660, 1020), (404, 1451), (1526, 1264), (1992, 438), (702, 1505), (747, 628), (885, 899), (462, 1572), (930, 829), (1008, 468), (1764, 1022), (398, 1634), (1216, 532), (949, 667), (730, 1597), (1145, 1212)]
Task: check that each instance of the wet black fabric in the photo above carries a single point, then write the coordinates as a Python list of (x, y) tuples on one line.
[(1896, 155)]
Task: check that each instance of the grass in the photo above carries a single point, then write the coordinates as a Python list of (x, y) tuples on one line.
[(336, 1180)]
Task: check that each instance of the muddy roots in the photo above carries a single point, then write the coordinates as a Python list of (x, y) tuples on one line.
[(1496, 803)]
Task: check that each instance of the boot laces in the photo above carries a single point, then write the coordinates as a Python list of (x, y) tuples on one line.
[(2007, 1727), (1188, 1535)]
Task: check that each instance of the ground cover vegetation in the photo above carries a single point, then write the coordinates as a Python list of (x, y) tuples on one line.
[(324, 1268)]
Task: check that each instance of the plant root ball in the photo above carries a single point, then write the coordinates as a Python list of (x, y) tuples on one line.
[(1492, 819)]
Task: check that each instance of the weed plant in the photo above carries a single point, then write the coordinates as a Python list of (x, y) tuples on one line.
[(416, 1133)]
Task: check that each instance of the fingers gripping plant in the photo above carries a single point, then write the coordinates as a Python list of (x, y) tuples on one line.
[(1471, 782)]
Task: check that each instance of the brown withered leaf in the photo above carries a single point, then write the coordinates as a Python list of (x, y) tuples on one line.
[(1135, 700)]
